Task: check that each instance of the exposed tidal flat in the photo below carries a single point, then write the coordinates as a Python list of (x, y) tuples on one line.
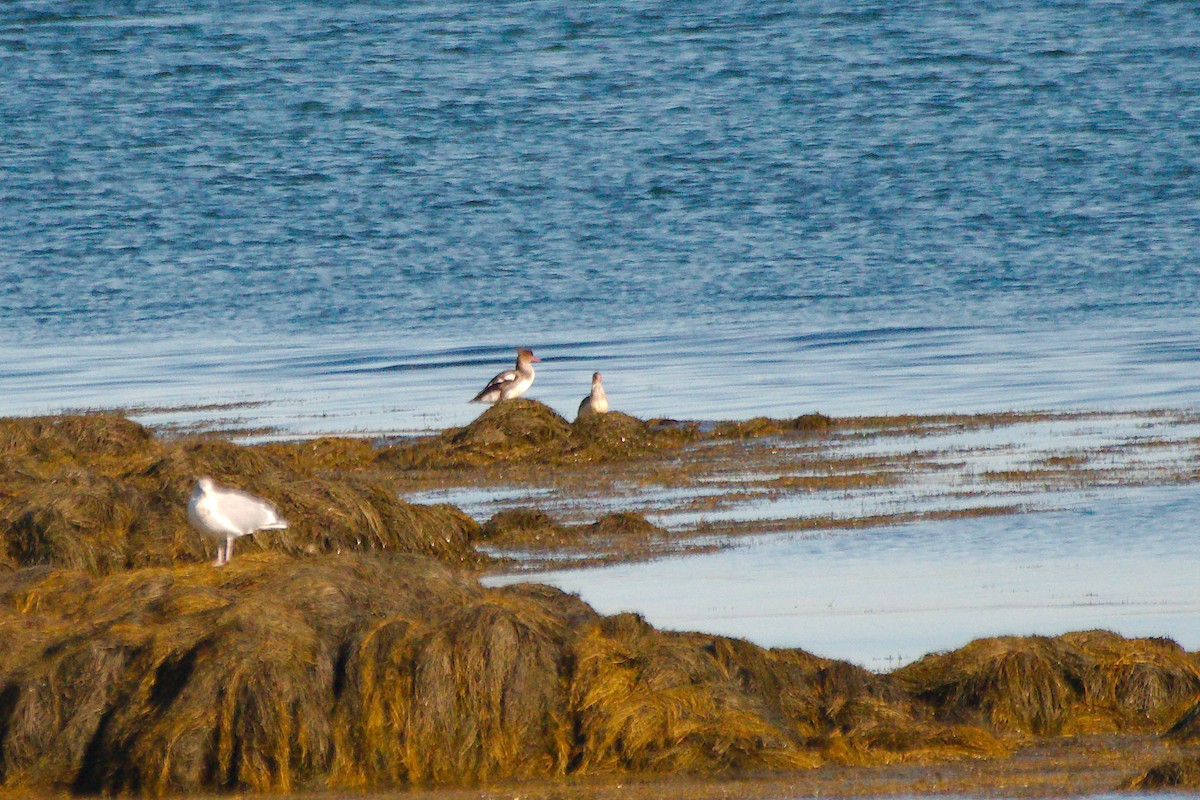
[(376, 644)]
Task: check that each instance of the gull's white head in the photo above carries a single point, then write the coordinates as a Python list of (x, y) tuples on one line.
[(205, 484)]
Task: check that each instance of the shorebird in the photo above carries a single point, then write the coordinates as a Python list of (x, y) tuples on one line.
[(512, 382), (225, 514), (594, 403)]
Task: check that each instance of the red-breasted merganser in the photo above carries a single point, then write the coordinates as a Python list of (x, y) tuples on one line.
[(596, 402), (510, 383), (225, 514)]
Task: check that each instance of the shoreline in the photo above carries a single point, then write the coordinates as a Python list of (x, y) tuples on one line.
[(391, 663), (1105, 765)]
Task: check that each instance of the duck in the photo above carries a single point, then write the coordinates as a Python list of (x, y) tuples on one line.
[(225, 514), (594, 403), (511, 383)]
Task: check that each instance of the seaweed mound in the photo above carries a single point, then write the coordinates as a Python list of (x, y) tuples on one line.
[(161, 680), (100, 493), (529, 431), (362, 670), (532, 528), (600, 437), (1186, 729), (513, 430), (526, 527), (623, 525), (1019, 685), (655, 702), (1139, 682), (1092, 681), (811, 425)]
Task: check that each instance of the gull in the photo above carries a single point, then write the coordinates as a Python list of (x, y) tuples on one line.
[(594, 403), (225, 514), (510, 383)]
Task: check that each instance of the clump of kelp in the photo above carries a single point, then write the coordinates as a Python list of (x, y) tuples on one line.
[(1176, 773), (533, 528), (528, 431), (101, 493), (529, 538), (279, 672), (1087, 682)]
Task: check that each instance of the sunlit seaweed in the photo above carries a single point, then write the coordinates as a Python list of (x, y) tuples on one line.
[(361, 653), (100, 493), (369, 670), (1093, 681)]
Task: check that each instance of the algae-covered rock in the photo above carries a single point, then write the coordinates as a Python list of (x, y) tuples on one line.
[(1138, 681), (624, 525), (1027, 685), (1186, 728), (77, 520), (1086, 682), (514, 429), (530, 432), (650, 701), (364, 670), (100, 493), (161, 680), (534, 529), (41, 446), (602, 437)]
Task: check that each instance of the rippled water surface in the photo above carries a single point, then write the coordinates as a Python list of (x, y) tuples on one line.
[(353, 212)]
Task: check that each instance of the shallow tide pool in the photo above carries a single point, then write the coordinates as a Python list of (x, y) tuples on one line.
[(1125, 560)]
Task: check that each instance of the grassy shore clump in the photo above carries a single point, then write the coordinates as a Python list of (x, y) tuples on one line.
[(99, 493)]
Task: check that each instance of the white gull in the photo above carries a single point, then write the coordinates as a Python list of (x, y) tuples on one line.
[(225, 514), (594, 403)]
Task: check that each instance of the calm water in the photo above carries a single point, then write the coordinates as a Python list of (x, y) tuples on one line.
[(882, 597), (348, 215)]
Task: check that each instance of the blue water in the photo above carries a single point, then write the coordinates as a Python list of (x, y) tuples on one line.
[(353, 212)]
